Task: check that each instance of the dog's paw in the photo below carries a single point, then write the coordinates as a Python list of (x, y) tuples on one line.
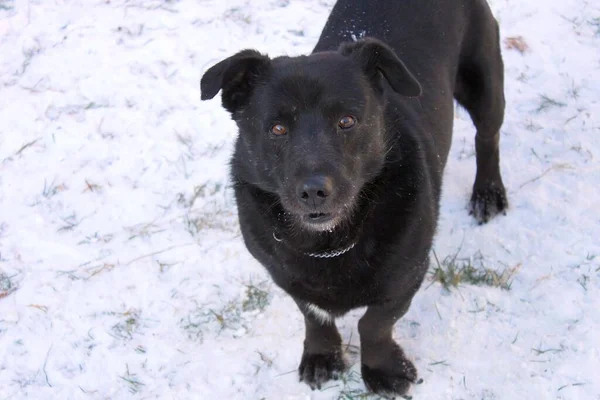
[(316, 369), (487, 201), (391, 379)]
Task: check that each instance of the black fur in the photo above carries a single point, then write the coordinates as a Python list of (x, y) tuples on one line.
[(337, 155)]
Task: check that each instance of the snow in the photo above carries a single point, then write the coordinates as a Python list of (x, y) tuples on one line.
[(122, 270)]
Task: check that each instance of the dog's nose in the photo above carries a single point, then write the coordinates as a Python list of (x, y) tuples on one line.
[(315, 190)]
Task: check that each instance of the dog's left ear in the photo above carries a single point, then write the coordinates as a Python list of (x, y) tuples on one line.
[(236, 76), (376, 57)]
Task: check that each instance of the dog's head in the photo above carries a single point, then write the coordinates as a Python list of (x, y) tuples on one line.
[(311, 127)]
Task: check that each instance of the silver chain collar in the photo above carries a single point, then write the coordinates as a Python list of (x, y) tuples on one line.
[(331, 254), (327, 254)]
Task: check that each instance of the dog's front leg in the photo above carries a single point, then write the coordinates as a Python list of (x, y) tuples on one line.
[(385, 369), (322, 359)]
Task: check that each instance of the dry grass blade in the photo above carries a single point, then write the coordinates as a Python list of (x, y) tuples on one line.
[(516, 43), (452, 271), (7, 286)]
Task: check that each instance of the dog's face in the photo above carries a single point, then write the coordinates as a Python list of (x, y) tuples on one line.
[(312, 127)]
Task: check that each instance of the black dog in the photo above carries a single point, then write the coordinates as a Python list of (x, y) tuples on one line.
[(338, 165)]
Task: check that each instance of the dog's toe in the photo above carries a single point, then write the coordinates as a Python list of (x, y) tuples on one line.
[(487, 201), (389, 383), (392, 376), (316, 369)]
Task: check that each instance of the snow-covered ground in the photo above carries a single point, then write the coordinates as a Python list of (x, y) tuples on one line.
[(122, 270)]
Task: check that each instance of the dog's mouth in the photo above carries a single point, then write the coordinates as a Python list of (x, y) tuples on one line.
[(318, 217), (321, 221)]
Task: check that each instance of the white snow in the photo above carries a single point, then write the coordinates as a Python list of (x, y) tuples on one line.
[(122, 269)]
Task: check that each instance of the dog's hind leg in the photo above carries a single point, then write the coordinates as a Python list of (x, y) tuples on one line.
[(480, 89)]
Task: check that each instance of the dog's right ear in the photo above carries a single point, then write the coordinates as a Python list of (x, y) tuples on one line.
[(236, 76)]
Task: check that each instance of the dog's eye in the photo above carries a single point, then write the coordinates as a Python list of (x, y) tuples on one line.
[(278, 130), (347, 122)]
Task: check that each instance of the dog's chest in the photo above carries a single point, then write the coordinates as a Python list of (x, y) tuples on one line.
[(335, 285)]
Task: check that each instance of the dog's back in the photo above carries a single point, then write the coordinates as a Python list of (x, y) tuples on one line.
[(434, 38)]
